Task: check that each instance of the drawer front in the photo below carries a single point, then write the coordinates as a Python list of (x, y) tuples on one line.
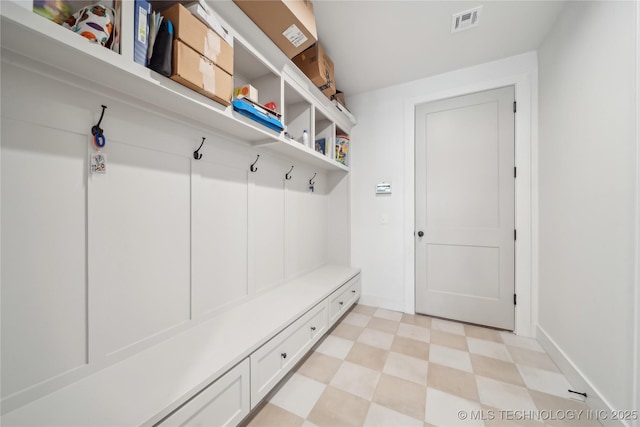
[(223, 403), (302, 339), (271, 362), (343, 298)]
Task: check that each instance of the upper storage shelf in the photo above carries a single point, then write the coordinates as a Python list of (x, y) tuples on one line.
[(70, 57)]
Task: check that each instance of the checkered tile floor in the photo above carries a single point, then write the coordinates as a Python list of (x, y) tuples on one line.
[(385, 368)]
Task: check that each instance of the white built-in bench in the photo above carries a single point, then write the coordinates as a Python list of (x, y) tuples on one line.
[(212, 374)]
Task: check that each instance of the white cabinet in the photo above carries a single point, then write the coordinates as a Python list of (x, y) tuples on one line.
[(223, 403), (343, 298), (271, 362), (163, 243)]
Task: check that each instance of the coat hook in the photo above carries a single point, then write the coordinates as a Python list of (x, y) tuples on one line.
[(287, 176), (253, 167), (196, 154), (97, 132), (311, 181)]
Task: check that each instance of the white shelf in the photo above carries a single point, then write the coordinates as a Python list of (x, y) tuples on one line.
[(297, 151), (31, 39)]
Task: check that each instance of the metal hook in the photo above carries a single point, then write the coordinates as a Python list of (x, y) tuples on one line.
[(96, 128), (311, 181), (98, 133), (196, 154), (287, 176), (253, 167)]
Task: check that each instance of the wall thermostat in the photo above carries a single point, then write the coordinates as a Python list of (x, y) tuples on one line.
[(383, 188)]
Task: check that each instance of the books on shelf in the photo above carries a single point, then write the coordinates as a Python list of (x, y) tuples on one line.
[(342, 149), (142, 17), (154, 25), (321, 146)]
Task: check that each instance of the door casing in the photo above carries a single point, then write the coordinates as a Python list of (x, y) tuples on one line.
[(526, 207)]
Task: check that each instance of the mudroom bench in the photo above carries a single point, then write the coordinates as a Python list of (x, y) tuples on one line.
[(211, 374)]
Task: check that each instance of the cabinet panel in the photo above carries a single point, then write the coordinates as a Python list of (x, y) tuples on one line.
[(223, 403), (297, 242), (268, 214), (219, 238), (305, 223), (44, 290), (271, 362), (338, 236), (318, 223), (139, 245)]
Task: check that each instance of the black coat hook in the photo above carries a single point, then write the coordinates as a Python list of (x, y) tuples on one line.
[(98, 133), (253, 167), (287, 176), (196, 154), (311, 181)]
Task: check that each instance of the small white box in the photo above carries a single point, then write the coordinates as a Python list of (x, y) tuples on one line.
[(204, 13), (246, 91)]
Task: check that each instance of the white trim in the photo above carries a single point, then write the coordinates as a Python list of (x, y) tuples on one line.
[(525, 85), (576, 378), (636, 365)]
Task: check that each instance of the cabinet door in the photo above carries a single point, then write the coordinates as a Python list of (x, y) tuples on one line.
[(223, 403), (271, 362)]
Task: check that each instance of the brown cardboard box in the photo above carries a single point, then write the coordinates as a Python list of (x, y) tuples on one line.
[(339, 96), (191, 31), (318, 66), (200, 74), (290, 24)]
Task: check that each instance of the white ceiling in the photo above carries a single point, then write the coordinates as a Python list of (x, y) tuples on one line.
[(375, 44)]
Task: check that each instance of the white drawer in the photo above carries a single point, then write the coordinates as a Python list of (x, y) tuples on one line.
[(271, 362), (225, 402), (343, 298)]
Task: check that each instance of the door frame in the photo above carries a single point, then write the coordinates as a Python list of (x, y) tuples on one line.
[(526, 146)]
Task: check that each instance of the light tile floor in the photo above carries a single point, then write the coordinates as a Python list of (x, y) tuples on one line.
[(385, 368)]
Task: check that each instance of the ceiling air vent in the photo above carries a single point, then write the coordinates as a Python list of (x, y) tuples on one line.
[(465, 20)]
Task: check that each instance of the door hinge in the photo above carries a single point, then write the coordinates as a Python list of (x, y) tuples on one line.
[(515, 235), (514, 300), (514, 106), (515, 173)]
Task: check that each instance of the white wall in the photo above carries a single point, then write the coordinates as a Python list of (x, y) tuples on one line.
[(587, 190), (382, 150)]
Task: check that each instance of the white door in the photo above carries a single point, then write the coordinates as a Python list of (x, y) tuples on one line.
[(465, 208)]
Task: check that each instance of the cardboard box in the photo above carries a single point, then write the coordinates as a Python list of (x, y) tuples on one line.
[(197, 72), (318, 66), (290, 24), (192, 32), (204, 13), (339, 96)]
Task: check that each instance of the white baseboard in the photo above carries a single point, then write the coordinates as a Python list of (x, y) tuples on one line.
[(380, 302), (595, 401)]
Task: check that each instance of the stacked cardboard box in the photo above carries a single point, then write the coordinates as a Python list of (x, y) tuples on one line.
[(318, 66), (202, 60), (290, 24)]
